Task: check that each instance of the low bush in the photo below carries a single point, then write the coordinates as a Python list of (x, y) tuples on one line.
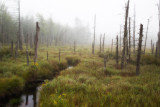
[(11, 86), (5, 52), (72, 60), (149, 59)]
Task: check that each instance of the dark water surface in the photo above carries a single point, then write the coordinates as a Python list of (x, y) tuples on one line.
[(28, 98)]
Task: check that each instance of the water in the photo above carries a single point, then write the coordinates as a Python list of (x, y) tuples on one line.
[(30, 100), (29, 97)]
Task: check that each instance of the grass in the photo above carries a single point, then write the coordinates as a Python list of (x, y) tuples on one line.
[(86, 84), (43, 69), (89, 85)]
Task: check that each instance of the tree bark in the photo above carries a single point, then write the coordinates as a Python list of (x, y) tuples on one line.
[(139, 50), (125, 36), (36, 41), (117, 59)]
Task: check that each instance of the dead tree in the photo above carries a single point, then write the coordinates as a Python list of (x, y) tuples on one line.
[(129, 54), (112, 46), (36, 41), (153, 49), (47, 55), (100, 43), (120, 40), (31, 41), (117, 59), (134, 31), (156, 49), (105, 62), (93, 45), (19, 27), (16, 50), (146, 37), (151, 46), (59, 55), (103, 43), (74, 46), (27, 54), (12, 49), (125, 36), (139, 50), (158, 44)]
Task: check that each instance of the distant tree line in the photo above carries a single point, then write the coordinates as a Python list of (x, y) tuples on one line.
[(51, 33)]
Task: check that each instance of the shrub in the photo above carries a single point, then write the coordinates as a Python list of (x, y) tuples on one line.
[(45, 71), (62, 65), (10, 86), (110, 71), (72, 60), (149, 59), (5, 52)]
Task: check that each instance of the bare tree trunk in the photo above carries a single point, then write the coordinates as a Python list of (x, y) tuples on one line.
[(31, 41), (103, 43), (139, 50), (129, 40), (153, 49), (47, 55), (125, 36), (105, 62), (16, 50), (12, 49), (146, 38), (19, 30), (151, 46), (36, 41), (120, 40), (74, 46), (117, 59), (156, 49), (134, 31), (27, 54), (159, 43), (100, 43), (112, 46), (93, 45), (59, 55)]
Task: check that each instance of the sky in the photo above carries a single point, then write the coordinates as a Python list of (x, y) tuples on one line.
[(109, 14)]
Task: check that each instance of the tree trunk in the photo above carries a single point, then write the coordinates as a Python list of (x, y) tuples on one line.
[(27, 54), (112, 46), (47, 55), (103, 42), (74, 46), (146, 38), (117, 59), (139, 50), (129, 40), (125, 36), (12, 49), (93, 45), (105, 62), (36, 41), (59, 55), (100, 43)]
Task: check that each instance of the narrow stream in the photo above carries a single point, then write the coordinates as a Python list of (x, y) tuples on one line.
[(29, 98)]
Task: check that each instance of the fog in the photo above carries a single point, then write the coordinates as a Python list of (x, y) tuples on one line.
[(110, 14)]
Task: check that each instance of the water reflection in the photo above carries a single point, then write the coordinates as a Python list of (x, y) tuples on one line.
[(30, 100)]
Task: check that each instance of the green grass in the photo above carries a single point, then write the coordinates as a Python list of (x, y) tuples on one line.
[(89, 85), (86, 84)]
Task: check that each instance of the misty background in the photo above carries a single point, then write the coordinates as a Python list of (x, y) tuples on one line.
[(74, 19)]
